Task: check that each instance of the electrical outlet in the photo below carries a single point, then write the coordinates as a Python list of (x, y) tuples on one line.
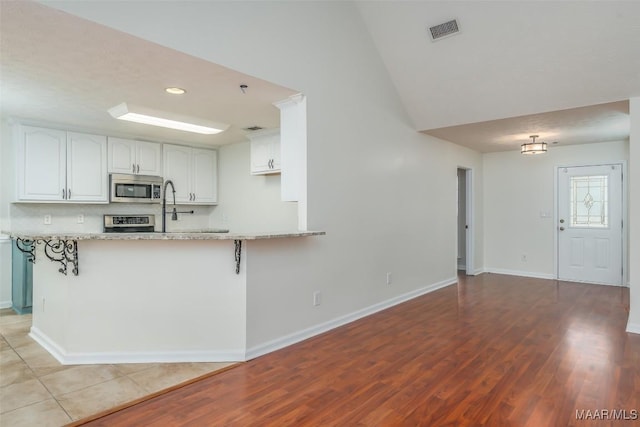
[(316, 298), (524, 258), (80, 219), (47, 219), (388, 278)]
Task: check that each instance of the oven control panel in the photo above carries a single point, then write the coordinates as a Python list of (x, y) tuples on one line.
[(129, 223)]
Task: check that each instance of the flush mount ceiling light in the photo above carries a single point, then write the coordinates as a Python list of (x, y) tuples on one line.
[(152, 117), (175, 90), (533, 147)]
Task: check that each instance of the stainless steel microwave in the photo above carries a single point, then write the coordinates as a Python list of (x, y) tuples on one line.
[(135, 188)]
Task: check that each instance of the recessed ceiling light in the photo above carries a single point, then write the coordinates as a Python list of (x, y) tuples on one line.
[(175, 90), (148, 116)]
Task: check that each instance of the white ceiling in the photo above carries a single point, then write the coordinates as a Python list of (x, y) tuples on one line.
[(562, 70), (516, 68), (60, 69)]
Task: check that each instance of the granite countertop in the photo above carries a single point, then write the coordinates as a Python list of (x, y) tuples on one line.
[(210, 234)]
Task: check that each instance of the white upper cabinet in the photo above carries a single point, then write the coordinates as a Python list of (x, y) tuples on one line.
[(293, 143), (136, 157), (87, 177), (193, 172), (265, 152), (205, 175), (55, 165), (42, 160)]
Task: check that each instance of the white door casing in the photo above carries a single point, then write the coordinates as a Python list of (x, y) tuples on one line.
[(589, 215)]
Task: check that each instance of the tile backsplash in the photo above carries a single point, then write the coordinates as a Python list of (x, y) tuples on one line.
[(64, 217)]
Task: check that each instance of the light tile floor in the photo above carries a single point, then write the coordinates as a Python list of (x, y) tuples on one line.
[(35, 389)]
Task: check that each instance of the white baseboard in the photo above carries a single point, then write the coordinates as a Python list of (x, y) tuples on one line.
[(520, 273), (476, 272), (304, 334), (6, 304), (133, 356), (633, 328)]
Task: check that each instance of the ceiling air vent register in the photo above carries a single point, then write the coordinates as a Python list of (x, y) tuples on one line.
[(444, 30)]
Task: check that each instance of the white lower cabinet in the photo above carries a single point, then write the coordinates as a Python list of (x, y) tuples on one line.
[(193, 172), (55, 165)]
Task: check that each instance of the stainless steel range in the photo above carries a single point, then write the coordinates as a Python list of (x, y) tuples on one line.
[(129, 223)]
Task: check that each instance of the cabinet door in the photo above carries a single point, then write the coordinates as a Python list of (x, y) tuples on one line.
[(21, 281), (41, 164), (265, 153), (259, 157), (176, 167), (274, 153), (148, 158), (87, 177), (122, 155), (204, 168)]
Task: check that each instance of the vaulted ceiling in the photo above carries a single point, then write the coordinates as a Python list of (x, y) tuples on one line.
[(562, 70)]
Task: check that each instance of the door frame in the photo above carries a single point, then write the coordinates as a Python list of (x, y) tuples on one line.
[(625, 219), (470, 222)]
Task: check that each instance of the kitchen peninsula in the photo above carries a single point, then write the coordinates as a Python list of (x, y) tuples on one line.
[(145, 297)]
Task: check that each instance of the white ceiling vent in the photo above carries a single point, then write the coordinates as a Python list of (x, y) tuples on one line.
[(444, 30)]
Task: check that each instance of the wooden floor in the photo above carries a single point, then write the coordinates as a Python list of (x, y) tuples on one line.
[(493, 350)]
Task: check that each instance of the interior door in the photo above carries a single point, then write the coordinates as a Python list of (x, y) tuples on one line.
[(590, 224)]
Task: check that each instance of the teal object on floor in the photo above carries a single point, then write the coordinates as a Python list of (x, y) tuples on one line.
[(21, 282)]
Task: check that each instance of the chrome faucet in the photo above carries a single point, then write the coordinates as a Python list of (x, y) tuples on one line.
[(174, 212)]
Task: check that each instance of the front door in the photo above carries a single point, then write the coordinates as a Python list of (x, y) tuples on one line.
[(590, 224)]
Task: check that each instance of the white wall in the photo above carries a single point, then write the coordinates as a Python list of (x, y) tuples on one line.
[(194, 311), (517, 189), (249, 202), (6, 181), (385, 195), (634, 213)]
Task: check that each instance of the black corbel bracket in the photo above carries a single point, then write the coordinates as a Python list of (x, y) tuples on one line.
[(238, 245), (64, 252)]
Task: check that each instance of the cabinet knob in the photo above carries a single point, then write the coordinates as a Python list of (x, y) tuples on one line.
[(138, 168), (64, 193), (68, 193)]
